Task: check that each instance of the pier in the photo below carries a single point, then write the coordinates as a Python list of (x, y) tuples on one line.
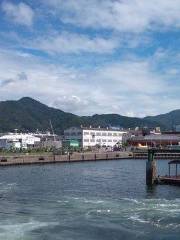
[(170, 179), (151, 171), (161, 154), (53, 158)]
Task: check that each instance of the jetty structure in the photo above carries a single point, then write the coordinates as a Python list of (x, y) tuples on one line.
[(170, 179), (151, 171)]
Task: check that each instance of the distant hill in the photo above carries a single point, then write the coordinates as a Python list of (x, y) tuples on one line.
[(28, 114)]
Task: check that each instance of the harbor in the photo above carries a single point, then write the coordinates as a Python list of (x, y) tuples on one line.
[(89, 120)]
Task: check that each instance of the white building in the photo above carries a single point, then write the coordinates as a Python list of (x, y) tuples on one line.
[(90, 137), (18, 141)]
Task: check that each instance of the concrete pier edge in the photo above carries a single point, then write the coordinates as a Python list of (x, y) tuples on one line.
[(50, 159)]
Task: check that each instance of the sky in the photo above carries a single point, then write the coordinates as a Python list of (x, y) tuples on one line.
[(92, 56)]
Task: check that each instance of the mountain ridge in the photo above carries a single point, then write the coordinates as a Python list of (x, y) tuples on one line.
[(28, 114)]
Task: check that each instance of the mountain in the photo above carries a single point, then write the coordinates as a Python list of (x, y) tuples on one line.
[(119, 120), (28, 114), (168, 120)]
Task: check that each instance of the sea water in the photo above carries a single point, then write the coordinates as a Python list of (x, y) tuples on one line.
[(105, 200)]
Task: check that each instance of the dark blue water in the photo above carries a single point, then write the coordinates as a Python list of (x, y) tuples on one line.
[(87, 201)]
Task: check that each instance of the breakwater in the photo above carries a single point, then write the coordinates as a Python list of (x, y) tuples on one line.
[(75, 157)]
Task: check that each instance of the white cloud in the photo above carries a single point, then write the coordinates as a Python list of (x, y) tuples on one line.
[(72, 103), (131, 87), (126, 85), (131, 75), (73, 43), (120, 15), (65, 42), (19, 13)]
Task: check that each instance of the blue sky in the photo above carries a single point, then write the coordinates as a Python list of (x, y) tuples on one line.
[(92, 56)]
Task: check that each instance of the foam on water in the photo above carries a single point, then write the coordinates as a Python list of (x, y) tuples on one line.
[(17, 231), (7, 187), (158, 213)]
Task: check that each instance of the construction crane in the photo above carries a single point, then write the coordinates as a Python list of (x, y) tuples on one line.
[(52, 129)]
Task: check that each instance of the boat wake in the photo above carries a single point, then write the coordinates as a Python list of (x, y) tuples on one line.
[(19, 231)]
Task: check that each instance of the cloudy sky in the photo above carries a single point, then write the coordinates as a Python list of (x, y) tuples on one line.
[(92, 56)]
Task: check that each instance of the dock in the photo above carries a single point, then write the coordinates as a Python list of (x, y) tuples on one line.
[(172, 180), (158, 155), (67, 158), (151, 171)]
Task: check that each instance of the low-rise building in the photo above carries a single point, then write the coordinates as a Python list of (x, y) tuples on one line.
[(90, 137), (18, 141), (154, 140)]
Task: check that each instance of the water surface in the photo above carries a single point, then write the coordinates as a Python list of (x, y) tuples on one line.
[(87, 201)]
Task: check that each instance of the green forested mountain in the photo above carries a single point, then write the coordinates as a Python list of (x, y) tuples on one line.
[(168, 120), (28, 114)]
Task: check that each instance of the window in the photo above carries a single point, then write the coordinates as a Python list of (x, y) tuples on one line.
[(109, 134), (115, 140), (104, 140), (98, 140), (86, 140), (98, 134), (86, 133), (109, 140), (92, 134), (114, 134), (92, 140), (104, 134)]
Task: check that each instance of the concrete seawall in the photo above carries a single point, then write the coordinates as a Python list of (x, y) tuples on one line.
[(75, 157)]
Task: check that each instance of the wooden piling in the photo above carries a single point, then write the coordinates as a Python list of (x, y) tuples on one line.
[(150, 168)]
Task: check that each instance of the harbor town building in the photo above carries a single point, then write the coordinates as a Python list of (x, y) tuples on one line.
[(18, 141), (91, 137), (30, 140), (155, 140)]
